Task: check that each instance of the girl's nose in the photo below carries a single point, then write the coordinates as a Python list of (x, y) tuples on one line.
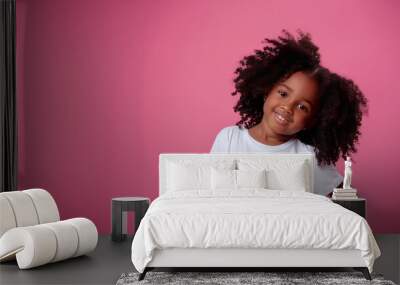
[(286, 109)]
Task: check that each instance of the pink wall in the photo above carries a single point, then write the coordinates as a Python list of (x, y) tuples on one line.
[(105, 86)]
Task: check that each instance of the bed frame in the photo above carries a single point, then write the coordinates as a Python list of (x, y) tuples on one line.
[(242, 259), (246, 258)]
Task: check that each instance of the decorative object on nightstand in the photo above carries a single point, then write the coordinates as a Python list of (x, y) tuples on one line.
[(357, 205), (120, 206), (347, 192)]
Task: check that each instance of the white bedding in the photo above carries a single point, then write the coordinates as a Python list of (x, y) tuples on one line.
[(250, 218)]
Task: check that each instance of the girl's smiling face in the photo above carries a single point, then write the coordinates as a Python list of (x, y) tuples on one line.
[(290, 106)]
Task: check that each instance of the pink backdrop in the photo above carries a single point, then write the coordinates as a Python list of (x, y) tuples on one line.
[(105, 86)]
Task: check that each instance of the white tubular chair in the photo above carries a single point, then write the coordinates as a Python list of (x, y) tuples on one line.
[(31, 230)]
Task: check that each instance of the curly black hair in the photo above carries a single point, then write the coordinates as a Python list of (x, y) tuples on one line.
[(336, 129)]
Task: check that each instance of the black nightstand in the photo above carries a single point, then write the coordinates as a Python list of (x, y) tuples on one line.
[(119, 208), (358, 205)]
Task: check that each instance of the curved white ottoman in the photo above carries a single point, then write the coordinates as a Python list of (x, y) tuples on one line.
[(31, 232), (40, 244), (26, 208)]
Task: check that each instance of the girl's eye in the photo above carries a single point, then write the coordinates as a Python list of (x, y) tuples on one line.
[(302, 107), (282, 93)]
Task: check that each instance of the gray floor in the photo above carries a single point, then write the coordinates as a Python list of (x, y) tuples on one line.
[(389, 262), (110, 260), (103, 266)]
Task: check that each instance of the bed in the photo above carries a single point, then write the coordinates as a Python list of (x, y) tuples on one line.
[(247, 210)]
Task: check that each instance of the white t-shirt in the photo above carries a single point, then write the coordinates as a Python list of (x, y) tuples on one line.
[(233, 139)]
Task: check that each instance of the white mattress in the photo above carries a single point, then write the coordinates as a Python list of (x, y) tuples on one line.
[(251, 218)]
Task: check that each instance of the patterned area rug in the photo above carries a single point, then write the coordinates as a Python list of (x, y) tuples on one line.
[(270, 278)]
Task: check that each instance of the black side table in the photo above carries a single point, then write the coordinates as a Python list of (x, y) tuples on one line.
[(358, 205), (120, 206)]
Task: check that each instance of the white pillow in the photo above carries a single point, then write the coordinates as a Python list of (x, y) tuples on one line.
[(290, 179), (237, 179), (193, 174), (291, 175), (251, 178), (223, 179), (188, 177)]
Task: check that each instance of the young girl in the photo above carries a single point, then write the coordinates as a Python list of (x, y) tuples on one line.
[(289, 103)]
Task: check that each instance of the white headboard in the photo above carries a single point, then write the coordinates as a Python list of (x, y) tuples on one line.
[(164, 158)]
